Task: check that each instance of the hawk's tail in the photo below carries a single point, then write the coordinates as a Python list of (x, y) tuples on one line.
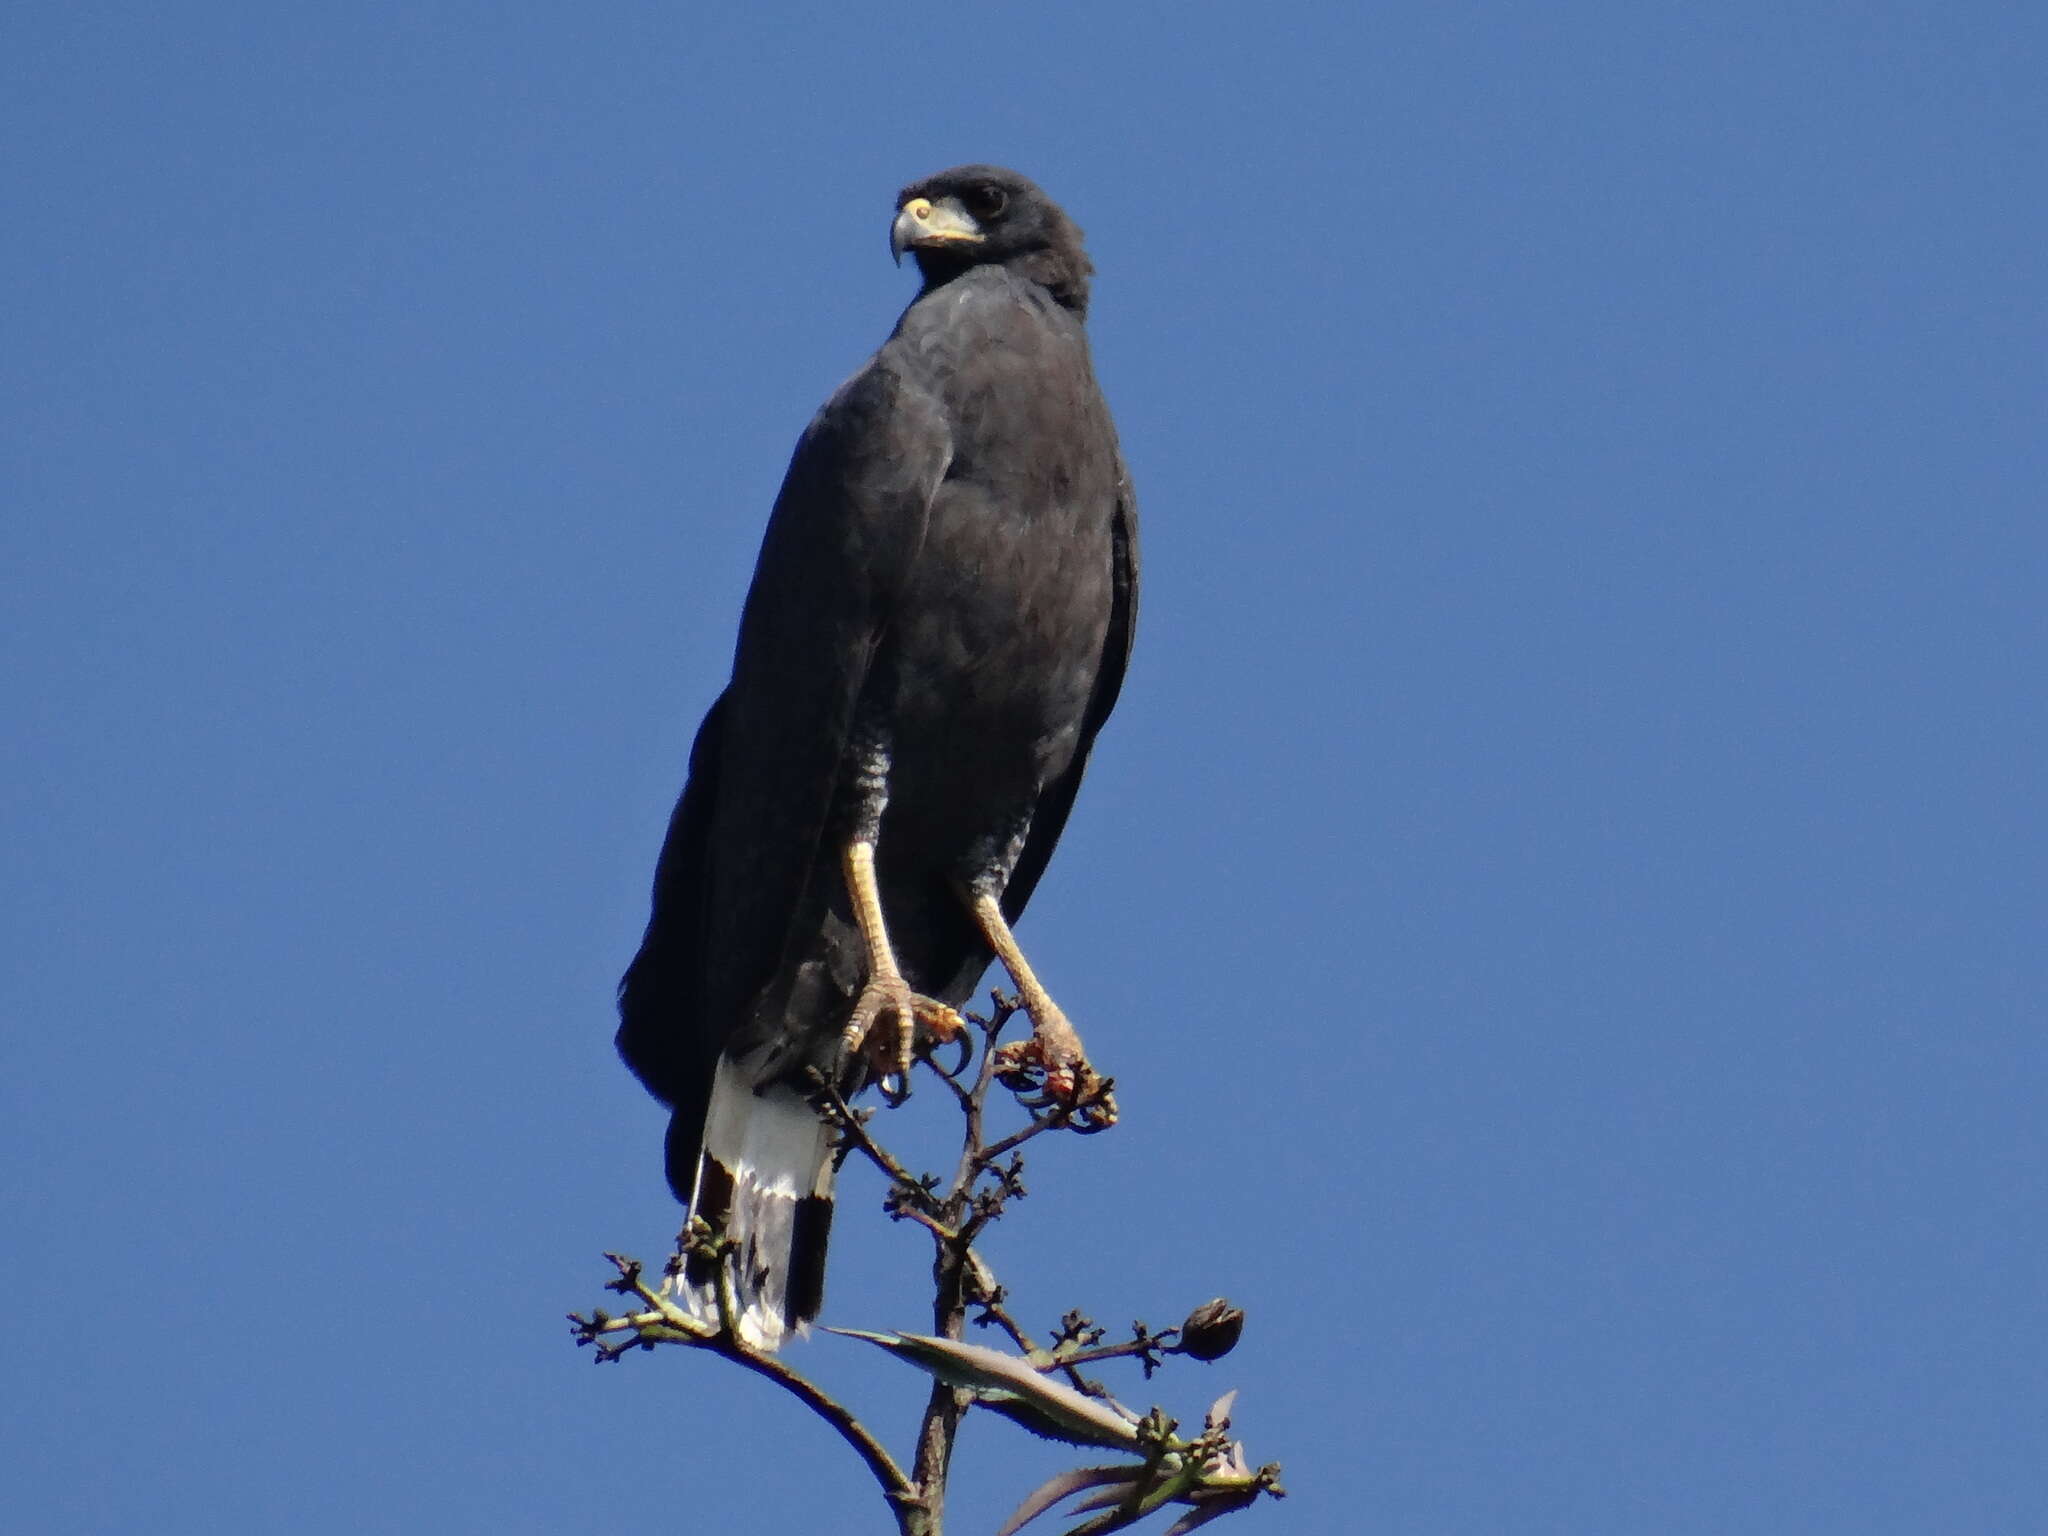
[(764, 1181)]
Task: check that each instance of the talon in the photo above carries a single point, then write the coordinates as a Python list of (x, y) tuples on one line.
[(1043, 1080), (893, 1027), (1097, 1111)]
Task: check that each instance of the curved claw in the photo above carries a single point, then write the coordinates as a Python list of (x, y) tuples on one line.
[(966, 1049), (1070, 1092), (893, 1028), (1027, 1082), (1098, 1112)]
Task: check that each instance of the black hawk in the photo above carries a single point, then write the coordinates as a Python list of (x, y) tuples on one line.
[(937, 627)]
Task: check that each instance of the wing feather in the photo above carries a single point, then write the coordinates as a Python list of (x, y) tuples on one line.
[(1057, 802), (744, 842)]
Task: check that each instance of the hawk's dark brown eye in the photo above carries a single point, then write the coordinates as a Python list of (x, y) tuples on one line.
[(989, 202)]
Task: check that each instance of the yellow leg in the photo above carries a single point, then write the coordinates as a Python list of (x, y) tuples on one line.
[(866, 893), (887, 1015), (1055, 1045)]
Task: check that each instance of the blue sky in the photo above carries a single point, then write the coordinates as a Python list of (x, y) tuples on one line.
[(1562, 895)]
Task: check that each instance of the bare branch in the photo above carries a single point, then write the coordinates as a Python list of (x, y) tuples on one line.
[(851, 1124), (663, 1322), (896, 1487), (1207, 1473)]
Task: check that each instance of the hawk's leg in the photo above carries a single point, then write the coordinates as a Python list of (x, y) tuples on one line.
[(1053, 1054), (891, 1023)]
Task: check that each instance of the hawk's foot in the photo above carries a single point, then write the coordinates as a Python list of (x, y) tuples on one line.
[(892, 1026), (1049, 1072)]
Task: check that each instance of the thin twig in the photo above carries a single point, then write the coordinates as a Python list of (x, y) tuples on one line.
[(1141, 1349), (1016, 1139), (941, 1233), (852, 1125), (896, 1486), (666, 1323), (985, 1179)]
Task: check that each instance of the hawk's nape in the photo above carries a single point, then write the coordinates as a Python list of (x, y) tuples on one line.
[(937, 628)]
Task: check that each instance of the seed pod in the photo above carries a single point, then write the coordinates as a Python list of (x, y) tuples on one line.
[(1212, 1330)]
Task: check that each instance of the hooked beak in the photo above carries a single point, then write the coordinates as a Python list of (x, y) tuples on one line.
[(923, 225)]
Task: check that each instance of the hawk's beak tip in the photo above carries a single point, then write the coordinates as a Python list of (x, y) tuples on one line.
[(921, 222)]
